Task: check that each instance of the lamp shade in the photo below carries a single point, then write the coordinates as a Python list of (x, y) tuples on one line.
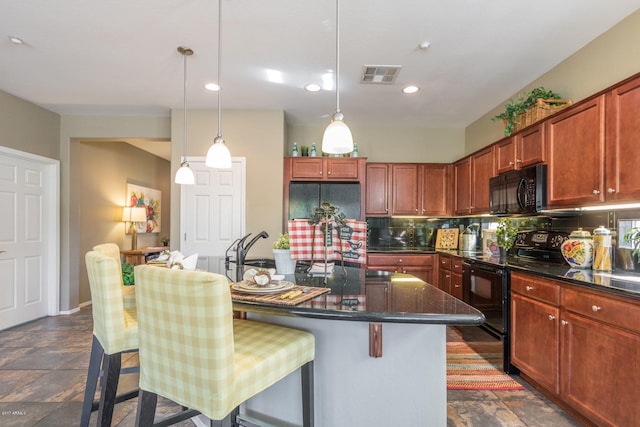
[(218, 155), (134, 214), (185, 175), (337, 138)]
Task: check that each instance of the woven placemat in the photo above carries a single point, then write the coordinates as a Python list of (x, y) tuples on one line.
[(275, 298)]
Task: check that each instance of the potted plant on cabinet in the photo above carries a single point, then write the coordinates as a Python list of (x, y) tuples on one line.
[(282, 254), (505, 235), (514, 110)]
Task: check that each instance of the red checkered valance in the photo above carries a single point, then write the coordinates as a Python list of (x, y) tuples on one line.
[(308, 241)]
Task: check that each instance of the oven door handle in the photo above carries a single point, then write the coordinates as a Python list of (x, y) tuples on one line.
[(498, 271)]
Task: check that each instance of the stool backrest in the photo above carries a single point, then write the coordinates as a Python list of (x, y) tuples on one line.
[(111, 250), (109, 323), (185, 322)]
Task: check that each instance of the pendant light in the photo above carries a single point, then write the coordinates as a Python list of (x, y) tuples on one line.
[(218, 155), (337, 137), (185, 174)]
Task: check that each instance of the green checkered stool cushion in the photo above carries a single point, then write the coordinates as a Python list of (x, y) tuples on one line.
[(115, 330), (193, 351)]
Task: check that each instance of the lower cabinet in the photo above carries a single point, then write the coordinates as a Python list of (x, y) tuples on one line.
[(581, 345), (450, 275), (419, 265)]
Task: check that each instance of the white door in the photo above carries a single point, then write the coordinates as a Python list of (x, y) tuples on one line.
[(28, 237), (213, 212)]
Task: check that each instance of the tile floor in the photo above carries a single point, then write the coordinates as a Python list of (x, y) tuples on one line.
[(43, 368)]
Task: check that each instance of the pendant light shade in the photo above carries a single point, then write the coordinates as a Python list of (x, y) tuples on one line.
[(218, 156), (337, 137), (185, 174)]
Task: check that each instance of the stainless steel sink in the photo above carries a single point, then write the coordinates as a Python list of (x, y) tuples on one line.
[(261, 262)]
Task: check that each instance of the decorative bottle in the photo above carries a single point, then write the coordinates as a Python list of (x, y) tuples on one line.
[(602, 249), (313, 150), (294, 153), (355, 151)]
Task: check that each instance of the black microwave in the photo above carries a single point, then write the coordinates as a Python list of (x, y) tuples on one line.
[(521, 191)]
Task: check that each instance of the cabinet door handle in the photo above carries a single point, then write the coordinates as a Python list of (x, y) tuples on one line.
[(552, 317), (564, 323), (329, 173), (596, 192), (447, 276), (518, 161), (596, 308), (529, 288), (320, 173), (511, 163), (611, 190), (456, 286)]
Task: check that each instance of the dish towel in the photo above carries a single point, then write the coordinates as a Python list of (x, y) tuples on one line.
[(307, 242)]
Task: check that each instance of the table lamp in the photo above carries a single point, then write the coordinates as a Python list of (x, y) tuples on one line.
[(133, 214)]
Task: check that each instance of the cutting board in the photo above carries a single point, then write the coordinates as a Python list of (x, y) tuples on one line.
[(447, 238)]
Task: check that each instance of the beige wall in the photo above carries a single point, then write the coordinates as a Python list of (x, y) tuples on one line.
[(105, 168), (74, 129), (29, 128), (608, 59), (256, 135), (392, 144)]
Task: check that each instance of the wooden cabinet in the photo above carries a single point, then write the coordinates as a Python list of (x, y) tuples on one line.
[(535, 341), (420, 265), (377, 295), (405, 189), (471, 177), (622, 174), (523, 149), (462, 184), (600, 363), (325, 168), (450, 275), (580, 345), (414, 189), (378, 189), (575, 152)]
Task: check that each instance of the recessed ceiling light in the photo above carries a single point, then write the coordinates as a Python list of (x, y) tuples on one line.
[(410, 89), (213, 87), (425, 45), (15, 40), (312, 87)]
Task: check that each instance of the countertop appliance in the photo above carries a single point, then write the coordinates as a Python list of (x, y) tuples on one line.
[(521, 191)]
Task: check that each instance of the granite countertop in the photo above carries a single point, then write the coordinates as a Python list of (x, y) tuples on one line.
[(373, 296)]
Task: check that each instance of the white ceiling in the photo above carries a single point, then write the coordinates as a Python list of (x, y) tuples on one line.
[(118, 57)]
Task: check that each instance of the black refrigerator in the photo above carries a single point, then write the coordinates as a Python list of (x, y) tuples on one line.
[(304, 198)]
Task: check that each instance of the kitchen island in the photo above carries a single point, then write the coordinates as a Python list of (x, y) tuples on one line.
[(380, 350)]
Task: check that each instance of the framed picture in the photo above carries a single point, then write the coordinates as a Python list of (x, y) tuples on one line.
[(149, 198)]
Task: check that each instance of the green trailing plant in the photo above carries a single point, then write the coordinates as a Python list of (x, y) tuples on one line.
[(127, 274), (506, 233), (514, 108), (633, 236), (282, 242)]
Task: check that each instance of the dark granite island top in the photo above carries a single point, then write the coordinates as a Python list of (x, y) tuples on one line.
[(380, 350), (373, 296)]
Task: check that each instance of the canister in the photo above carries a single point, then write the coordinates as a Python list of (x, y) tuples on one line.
[(602, 249), (577, 250)]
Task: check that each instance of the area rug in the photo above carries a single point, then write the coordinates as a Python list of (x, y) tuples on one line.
[(477, 366)]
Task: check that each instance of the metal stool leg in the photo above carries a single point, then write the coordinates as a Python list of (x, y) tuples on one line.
[(306, 372)]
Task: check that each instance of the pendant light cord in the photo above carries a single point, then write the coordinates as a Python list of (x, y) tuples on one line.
[(337, 56), (184, 122), (219, 65)]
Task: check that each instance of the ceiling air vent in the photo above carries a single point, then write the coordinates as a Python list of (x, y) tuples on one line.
[(380, 74)]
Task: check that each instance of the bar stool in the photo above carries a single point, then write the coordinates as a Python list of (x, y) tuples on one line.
[(128, 292), (115, 330), (194, 353)]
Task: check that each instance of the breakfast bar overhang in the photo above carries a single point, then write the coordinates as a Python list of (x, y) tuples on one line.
[(380, 350)]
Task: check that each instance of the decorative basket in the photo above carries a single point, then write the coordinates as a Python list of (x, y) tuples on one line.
[(543, 108)]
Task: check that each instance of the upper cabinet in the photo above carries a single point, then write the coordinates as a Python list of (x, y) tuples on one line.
[(325, 168), (471, 176), (575, 151), (523, 149), (622, 175), (413, 189)]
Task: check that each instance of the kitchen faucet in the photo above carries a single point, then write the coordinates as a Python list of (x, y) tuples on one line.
[(242, 249)]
